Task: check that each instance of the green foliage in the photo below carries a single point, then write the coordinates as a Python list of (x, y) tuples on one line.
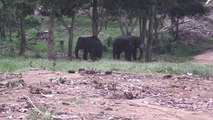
[(83, 21), (32, 21), (167, 46), (131, 7), (184, 8), (9, 52)]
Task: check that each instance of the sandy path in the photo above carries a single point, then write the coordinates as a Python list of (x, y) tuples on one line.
[(206, 57)]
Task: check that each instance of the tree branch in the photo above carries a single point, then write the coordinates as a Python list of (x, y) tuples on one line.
[(121, 26), (126, 24), (88, 13), (134, 25), (102, 19), (63, 22)]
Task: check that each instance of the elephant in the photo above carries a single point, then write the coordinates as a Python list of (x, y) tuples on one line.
[(91, 45), (129, 45)]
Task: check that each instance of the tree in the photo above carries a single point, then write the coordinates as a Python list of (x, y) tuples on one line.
[(22, 8), (69, 9), (7, 17), (97, 15), (126, 12), (51, 8), (152, 11)]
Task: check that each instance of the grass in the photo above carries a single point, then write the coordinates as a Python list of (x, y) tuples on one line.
[(35, 115), (10, 61), (19, 64)]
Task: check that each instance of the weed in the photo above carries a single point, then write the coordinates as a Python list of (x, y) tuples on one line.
[(35, 115)]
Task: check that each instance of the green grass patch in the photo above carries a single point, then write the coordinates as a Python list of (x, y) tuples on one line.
[(106, 64), (12, 64)]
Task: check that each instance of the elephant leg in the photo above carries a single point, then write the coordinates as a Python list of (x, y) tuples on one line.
[(85, 54), (76, 53), (118, 55), (141, 54), (114, 54), (134, 54), (92, 55), (128, 55), (125, 56)]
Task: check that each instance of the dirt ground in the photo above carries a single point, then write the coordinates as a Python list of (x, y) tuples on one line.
[(99, 96), (206, 57)]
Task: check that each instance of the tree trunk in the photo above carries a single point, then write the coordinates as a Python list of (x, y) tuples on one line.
[(42, 24), (10, 29), (70, 35), (133, 26), (140, 26), (155, 42), (22, 43), (143, 32), (3, 35), (10, 34), (172, 26), (51, 54), (95, 18), (177, 29), (150, 36), (126, 24), (70, 40), (0, 30)]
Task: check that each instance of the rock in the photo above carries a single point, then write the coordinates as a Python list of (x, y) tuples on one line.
[(81, 70), (129, 95), (167, 76), (71, 71), (22, 110), (108, 72), (22, 117)]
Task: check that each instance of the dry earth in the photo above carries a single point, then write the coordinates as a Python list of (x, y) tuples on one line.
[(117, 96), (206, 57)]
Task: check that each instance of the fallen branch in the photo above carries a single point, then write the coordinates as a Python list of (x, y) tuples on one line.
[(166, 28), (42, 113)]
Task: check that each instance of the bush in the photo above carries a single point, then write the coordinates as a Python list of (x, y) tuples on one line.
[(32, 20), (168, 46)]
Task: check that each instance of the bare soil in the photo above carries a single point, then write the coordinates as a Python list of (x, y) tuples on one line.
[(206, 57), (97, 96)]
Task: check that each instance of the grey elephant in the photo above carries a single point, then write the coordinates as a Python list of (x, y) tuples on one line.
[(129, 45), (91, 45)]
